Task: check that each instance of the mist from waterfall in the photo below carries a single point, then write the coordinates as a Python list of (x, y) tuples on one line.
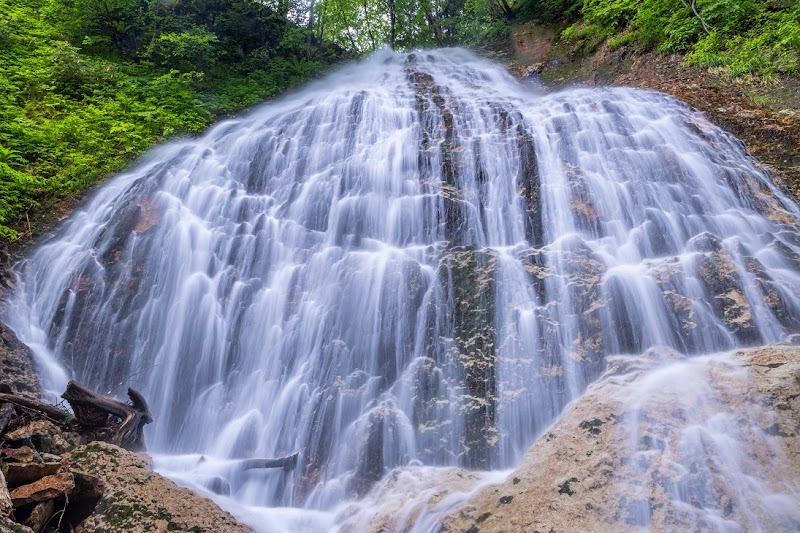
[(415, 261)]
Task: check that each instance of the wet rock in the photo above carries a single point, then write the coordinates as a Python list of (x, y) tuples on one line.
[(370, 455), (781, 305), (584, 272), (583, 207), (704, 242), (397, 502), (530, 187), (624, 488), (468, 275), (17, 364), (724, 285), (137, 499), (218, 485)]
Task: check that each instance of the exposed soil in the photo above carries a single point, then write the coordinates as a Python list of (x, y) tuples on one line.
[(763, 114)]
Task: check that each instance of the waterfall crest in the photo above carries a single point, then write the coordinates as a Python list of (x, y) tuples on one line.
[(415, 261)]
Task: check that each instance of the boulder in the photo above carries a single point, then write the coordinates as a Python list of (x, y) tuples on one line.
[(661, 442), (137, 499), (23, 454)]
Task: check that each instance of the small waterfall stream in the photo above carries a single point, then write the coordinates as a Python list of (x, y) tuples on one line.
[(416, 261)]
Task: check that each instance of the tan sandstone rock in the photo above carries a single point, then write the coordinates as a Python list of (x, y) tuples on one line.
[(137, 499), (681, 445)]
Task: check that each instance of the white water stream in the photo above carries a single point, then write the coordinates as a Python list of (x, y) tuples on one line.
[(416, 261)]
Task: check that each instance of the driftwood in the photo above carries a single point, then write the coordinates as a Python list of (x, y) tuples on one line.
[(50, 411), (112, 421), (284, 462)]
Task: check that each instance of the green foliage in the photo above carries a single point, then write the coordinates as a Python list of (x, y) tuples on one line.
[(772, 46), (87, 86), (364, 25), (759, 37), (189, 50), (548, 11)]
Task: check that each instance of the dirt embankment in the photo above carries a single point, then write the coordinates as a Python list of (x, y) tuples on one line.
[(764, 114)]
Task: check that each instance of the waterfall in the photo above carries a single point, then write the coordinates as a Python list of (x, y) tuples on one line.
[(416, 261)]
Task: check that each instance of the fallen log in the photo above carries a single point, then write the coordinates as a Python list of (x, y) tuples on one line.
[(112, 421), (50, 411), (285, 462)]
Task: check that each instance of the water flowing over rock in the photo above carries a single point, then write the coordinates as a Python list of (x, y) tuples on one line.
[(662, 442), (415, 261), (17, 367)]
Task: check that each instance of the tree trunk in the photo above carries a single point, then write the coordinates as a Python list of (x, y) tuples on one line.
[(433, 24), (48, 410)]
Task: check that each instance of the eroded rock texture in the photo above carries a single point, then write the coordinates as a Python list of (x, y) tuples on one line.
[(137, 499), (17, 367), (665, 443)]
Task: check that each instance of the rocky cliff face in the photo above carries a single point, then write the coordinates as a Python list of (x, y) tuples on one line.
[(17, 367), (664, 443)]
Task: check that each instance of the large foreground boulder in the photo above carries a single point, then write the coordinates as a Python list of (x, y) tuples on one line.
[(664, 443), (138, 499)]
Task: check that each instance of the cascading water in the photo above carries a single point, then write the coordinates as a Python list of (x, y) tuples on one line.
[(416, 261)]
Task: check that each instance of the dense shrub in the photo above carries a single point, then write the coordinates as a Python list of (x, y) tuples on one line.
[(760, 37), (87, 86)]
